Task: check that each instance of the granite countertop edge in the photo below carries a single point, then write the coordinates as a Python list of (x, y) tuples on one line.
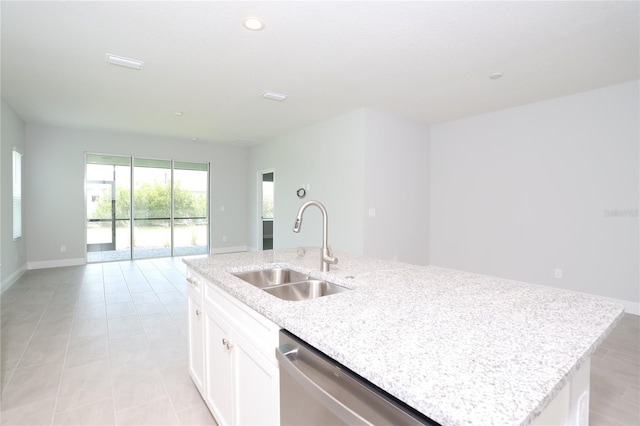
[(404, 284)]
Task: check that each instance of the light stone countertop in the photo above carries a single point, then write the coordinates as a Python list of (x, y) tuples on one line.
[(461, 348)]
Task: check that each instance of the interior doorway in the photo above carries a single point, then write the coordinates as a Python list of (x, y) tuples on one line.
[(267, 191)]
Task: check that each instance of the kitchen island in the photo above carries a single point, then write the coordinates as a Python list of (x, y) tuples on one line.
[(461, 348)]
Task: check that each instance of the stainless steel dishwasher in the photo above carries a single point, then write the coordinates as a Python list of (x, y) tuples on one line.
[(316, 390)]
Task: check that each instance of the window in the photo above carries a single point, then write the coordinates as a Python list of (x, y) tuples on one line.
[(17, 195)]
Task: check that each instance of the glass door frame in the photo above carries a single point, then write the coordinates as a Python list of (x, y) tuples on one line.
[(113, 219), (173, 204), (112, 244), (113, 177), (134, 216)]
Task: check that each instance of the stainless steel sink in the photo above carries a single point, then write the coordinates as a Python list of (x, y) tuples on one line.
[(304, 290), (271, 277), (288, 284)]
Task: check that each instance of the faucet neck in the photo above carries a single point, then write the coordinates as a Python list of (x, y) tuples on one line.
[(326, 257)]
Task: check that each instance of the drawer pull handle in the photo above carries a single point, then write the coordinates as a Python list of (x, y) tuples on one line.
[(227, 344), (198, 312), (192, 281)]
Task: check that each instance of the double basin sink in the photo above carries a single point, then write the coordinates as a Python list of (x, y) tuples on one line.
[(288, 284)]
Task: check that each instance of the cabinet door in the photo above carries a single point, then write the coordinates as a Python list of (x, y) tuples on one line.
[(257, 387), (218, 387), (196, 342)]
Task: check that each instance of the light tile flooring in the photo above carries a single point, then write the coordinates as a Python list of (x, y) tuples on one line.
[(100, 344), (615, 376), (105, 344)]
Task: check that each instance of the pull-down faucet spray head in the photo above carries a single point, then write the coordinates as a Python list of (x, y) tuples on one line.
[(298, 224)]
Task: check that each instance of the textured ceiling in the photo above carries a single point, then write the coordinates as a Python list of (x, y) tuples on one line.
[(426, 61)]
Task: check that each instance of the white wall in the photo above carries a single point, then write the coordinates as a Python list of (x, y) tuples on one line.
[(13, 254), (359, 160), (397, 187), (516, 193), (329, 157), (521, 192), (54, 183)]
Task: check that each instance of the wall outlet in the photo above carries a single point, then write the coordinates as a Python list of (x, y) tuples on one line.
[(63, 249), (558, 273), (372, 212), (224, 239), (221, 208)]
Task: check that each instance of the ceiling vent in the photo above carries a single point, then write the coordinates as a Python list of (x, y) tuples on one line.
[(124, 62), (274, 96)]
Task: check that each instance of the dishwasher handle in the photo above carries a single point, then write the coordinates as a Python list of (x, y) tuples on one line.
[(286, 355)]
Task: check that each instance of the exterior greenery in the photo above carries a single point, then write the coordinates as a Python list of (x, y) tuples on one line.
[(153, 201)]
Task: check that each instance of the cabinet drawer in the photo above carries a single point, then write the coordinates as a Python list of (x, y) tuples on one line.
[(254, 327), (195, 283)]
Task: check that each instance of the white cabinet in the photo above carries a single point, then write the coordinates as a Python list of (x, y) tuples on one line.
[(219, 376), (571, 405), (241, 383), (196, 330), (257, 388)]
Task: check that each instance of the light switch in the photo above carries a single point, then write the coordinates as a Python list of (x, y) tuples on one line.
[(372, 212)]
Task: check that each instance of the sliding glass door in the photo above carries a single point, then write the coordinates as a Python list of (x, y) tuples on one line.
[(191, 213), (101, 236), (151, 208), (169, 208), (108, 193)]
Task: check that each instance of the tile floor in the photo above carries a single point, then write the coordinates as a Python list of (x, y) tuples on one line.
[(105, 344), (615, 376), (100, 344)]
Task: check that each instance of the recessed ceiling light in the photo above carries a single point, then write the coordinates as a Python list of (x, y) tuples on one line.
[(274, 96), (178, 113), (252, 23), (495, 75), (124, 62), (194, 139)]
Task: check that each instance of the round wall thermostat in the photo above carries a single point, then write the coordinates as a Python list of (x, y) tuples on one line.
[(301, 193)]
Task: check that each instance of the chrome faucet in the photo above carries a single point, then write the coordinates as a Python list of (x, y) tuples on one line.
[(326, 257)]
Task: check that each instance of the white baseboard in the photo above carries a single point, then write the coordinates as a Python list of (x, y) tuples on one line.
[(56, 263), (236, 249), (12, 279), (629, 307)]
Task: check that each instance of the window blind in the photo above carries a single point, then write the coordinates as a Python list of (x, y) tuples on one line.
[(17, 195)]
